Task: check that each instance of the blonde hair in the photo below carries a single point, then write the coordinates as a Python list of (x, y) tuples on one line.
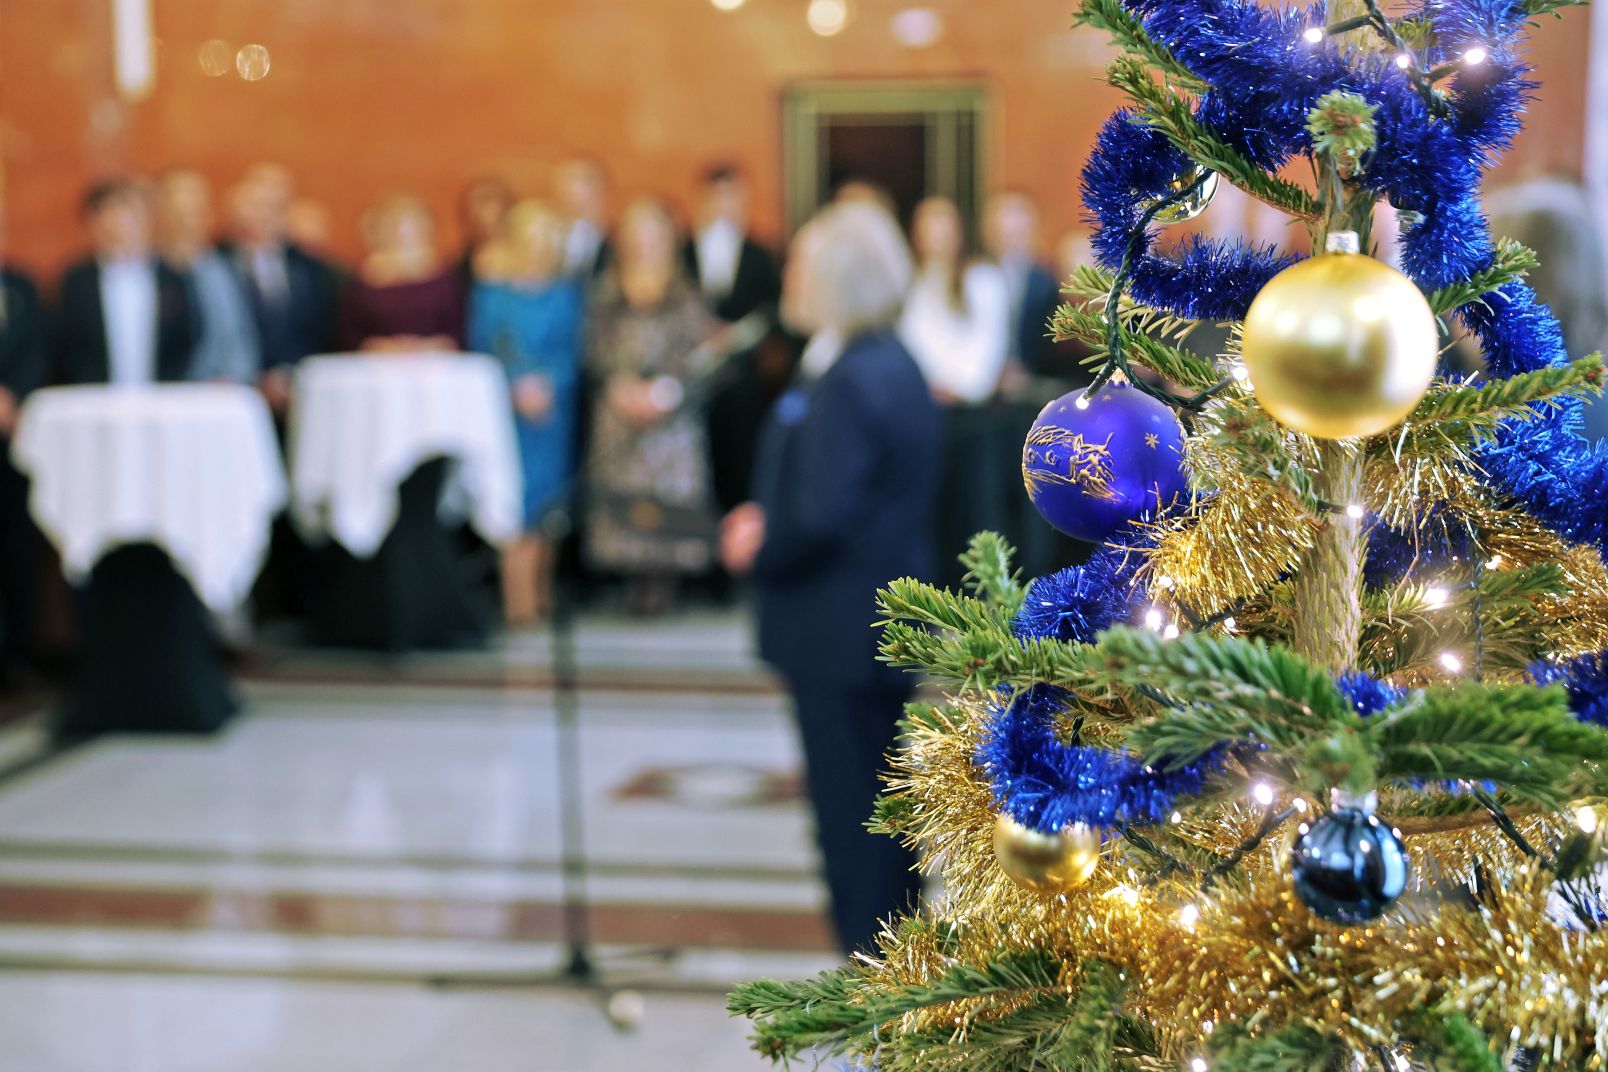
[(858, 268), (508, 255)]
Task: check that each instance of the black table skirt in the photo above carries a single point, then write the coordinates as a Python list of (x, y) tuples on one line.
[(415, 593), (149, 661)]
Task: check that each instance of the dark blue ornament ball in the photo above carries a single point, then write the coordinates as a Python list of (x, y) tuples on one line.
[(1349, 867), (1131, 439)]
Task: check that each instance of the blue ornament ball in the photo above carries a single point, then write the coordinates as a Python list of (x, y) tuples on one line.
[(1120, 434), (1349, 867)]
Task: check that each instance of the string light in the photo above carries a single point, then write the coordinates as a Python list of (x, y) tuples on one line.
[(1171, 632), (1402, 1064), (1166, 582), (1403, 60), (1199, 1065), (1082, 402), (1474, 57), (1452, 661), (1354, 512), (1299, 804), (1153, 619), (1313, 34), (1436, 597), (1586, 820), (1239, 372), (1229, 624), (1263, 794), (1177, 817), (1494, 562), (1189, 915)]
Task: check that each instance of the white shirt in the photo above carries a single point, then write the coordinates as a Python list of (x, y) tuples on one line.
[(581, 246), (820, 353), (720, 246), (960, 352), (128, 310)]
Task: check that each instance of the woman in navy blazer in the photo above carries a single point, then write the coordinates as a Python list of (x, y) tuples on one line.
[(845, 491)]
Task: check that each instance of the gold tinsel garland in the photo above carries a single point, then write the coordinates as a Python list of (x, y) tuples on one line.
[(1247, 951)]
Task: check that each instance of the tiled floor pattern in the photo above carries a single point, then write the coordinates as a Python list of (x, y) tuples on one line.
[(294, 893)]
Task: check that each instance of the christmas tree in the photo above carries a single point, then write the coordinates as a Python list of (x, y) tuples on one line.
[(1304, 768)]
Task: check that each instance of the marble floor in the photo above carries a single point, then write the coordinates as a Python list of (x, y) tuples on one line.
[(365, 869)]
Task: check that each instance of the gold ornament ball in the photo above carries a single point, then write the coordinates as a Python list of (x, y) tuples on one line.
[(1340, 345), (1047, 863)]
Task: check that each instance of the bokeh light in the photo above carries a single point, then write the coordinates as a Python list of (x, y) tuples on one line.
[(828, 17), (215, 57), (252, 62)]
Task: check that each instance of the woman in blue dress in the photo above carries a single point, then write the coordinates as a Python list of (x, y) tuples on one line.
[(524, 311)]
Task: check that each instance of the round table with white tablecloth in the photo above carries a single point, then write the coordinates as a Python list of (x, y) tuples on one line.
[(159, 500), (378, 443)]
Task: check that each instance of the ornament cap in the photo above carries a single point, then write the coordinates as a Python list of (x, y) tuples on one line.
[(1342, 242), (1346, 799)]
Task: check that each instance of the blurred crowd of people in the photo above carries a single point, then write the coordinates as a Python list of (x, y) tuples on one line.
[(642, 358)]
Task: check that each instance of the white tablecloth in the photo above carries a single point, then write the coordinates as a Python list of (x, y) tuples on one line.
[(360, 423), (192, 468)]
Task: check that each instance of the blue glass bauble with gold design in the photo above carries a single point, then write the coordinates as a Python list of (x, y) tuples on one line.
[(1349, 867), (1092, 464)]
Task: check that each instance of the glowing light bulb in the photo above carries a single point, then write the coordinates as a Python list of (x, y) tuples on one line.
[(1198, 1065), (1229, 625), (1177, 817), (1299, 804), (1475, 56), (1240, 372), (1354, 512), (1170, 633), (1494, 562), (1586, 820), (727, 5), (1404, 61), (1402, 1064), (1452, 661), (1153, 618), (1436, 597), (1082, 402), (827, 17), (1262, 793), (1313, 34), (1189, 916), (1166, 582)]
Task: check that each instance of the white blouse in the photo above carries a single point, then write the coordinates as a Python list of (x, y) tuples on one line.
[(960, 352)]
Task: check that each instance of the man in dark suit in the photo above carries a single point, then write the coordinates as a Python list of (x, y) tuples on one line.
[(1011, 234), (125, 315), (581, 191), (738, 278), (22, 369), (290, 292)]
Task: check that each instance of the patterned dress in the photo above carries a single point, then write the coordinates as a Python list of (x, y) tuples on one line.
[(649, 507)]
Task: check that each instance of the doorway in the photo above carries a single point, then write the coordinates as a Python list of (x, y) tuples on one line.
[(910, 139)]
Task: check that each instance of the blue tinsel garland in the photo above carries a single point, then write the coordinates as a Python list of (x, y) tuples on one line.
[(1263, 79)]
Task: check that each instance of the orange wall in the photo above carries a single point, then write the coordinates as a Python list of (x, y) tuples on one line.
[(370, 96)]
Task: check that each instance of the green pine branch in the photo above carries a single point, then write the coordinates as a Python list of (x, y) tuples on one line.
[(1129, 35), (1173, 115), (1537, 8), (1296, 1048), (1512, 262), (991, 575), (1081, 1032), (1167, 361), (835, 1009), (1522, 737), (1482, 407), (1090, 287), (1462, 1047)]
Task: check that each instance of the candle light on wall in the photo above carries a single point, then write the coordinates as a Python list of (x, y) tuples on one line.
[(133, 48), (827, 17)]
